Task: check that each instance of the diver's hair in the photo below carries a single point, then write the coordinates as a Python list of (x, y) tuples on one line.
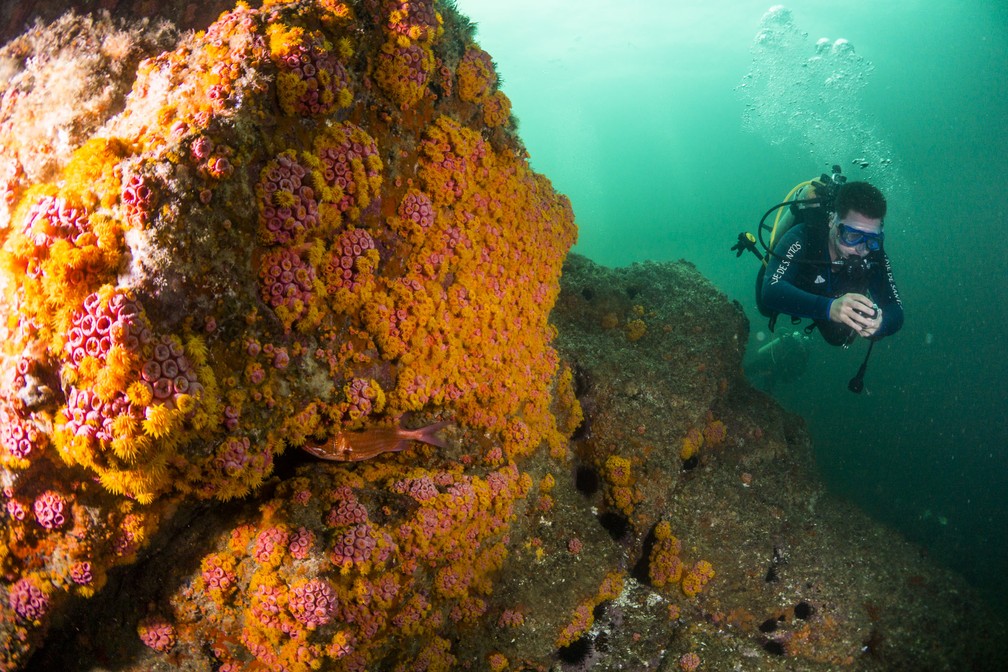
[(861, 197)]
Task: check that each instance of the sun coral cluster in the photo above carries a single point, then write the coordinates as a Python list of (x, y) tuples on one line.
[(309, 219), (711, 435), (665, 566), (157, 633), (49, 510), (691, 444), (476, 75), (407, 58), (131, 395), (27, 600), (696, 578), (338, 578), (312, 79), (496, 109), (635, 329), (622, 493), (714, 431), (583, 617), (689, 662)]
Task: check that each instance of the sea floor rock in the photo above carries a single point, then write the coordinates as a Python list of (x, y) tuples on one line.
[(802, 580)]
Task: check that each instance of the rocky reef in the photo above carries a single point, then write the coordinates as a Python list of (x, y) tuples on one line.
[(309, 229)]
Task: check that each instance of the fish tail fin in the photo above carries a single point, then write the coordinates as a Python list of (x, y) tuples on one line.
[(429, 435)]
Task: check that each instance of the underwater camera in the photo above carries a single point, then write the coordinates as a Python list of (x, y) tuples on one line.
[(871, 316)]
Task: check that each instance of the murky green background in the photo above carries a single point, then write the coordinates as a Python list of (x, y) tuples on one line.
[(636, 111)]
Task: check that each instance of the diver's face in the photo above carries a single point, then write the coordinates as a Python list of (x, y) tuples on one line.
[(847, 228)]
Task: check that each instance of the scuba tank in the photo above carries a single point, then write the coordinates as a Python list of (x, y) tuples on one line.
[(813, 210)]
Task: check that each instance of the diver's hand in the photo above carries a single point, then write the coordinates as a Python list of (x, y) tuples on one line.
[(873, 325), (857, 312)]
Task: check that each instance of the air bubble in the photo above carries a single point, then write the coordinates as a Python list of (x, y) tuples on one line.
[(804, 94)]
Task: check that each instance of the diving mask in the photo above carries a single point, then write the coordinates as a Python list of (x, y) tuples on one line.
[(852, 237)]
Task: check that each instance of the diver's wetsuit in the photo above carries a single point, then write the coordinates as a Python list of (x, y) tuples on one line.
[(793, 286)]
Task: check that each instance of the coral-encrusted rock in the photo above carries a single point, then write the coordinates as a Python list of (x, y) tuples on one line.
[(290, 229)]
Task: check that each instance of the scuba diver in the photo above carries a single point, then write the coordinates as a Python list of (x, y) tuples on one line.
[(826, 262)]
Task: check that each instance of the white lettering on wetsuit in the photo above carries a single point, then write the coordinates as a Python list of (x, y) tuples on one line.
[(892, 281), (785, 262)]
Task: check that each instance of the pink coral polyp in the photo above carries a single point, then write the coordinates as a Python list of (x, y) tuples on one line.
[(354, 546), (404, 71), (99, 324), (417, 210), (137, 197), (169, 373), (313, 603), (52, 218), (157, 634), (286, 280), (421, 489), (476, 74), (342, 269), (360, 397), (288, 209), (689, 662), (234, 456), (301, 543), (17, 436), (414, 65), (415, 19), (87, 415), (49, 510), (266, 605), (216, 576), (348, 511), (81, 574), (15, 509), (353, 156), (27, 600), (312, 79), (269, 544)]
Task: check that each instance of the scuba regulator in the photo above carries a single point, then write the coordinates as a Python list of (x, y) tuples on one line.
[(855, 269)]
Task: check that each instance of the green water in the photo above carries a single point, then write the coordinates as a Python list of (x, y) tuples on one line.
[(634, 110)]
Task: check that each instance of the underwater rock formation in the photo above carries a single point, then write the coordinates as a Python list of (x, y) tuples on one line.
[(312, 225)]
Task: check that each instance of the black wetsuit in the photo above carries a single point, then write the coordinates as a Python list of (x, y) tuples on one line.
[(801, 281)]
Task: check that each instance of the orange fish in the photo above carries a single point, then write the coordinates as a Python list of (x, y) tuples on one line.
[(357, 446)]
